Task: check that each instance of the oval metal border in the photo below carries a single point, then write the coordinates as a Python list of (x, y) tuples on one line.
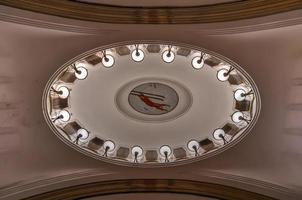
[(144, 165)]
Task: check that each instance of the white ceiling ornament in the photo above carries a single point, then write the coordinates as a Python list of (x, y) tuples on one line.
[(152, 108)]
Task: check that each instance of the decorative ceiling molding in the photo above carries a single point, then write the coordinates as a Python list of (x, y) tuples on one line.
[(162, 15), (9, 14), (28, 188), (48, 24), (113, 187), (155, 3)]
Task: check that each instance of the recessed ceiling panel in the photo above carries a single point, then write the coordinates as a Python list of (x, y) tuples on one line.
[(150, 103)]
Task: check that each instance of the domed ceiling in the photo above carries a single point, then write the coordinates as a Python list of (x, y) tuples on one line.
[(151, 102)]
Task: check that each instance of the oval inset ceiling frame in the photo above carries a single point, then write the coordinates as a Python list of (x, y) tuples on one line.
[(159, 15), (112, 158), (150, 186)]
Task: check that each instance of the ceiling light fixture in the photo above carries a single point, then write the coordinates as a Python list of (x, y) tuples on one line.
[(108, 147), (107, 60), (193, 146), (168, 55), (165, 151), (137, 151), (223, 74), (198, 61), (219, 134), (82, 134), (137, 54), (80, 72), (62, 115), (239, 117), (62, 91), (241, 95)]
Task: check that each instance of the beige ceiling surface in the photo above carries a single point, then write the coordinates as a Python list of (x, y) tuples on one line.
[(156, 3), (272, 153)]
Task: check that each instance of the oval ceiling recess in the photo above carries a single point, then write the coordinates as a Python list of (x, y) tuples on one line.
[(151, 103)]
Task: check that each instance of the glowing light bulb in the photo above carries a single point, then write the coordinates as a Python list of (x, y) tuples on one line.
[(223, 75), (63, 92), (165, 150), (108, 61), (109, 145), (193, 145), (168, 56), (219, 134), (237, 117), (64, 115), (81, 73), (137, 150), (84, 134), (198, 62), (137, 55)]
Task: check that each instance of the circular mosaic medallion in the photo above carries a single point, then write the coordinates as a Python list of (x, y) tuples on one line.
[(153, 98)]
